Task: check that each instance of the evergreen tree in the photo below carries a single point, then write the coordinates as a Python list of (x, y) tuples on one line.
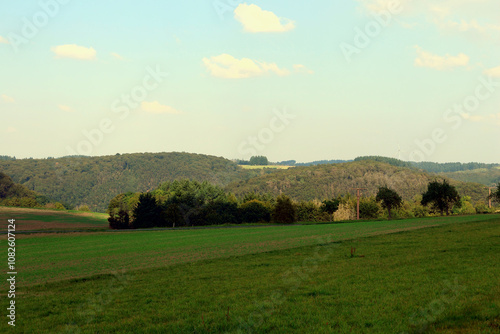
[(147, 213)]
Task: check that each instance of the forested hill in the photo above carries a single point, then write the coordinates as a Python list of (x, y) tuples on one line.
[(94, 181), (487, 174), (327, 181), (432, 167), (13, 194)]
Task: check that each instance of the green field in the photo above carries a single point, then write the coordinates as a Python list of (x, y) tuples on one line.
[(52, 220), (265, 166), (434, 274)]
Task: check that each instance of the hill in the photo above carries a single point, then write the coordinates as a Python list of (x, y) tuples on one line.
[(431, 167), (486, 176), (94, 181), (14, 194), (327, 181)]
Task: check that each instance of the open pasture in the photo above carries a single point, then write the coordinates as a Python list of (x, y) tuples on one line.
[(435, 275), (51, 257), (39, 219), (265, 166)]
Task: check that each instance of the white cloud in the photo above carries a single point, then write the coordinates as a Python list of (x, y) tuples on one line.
[(302, 69), (377, 6), (473, 118), (156, 108), (452, 16), (8, 99), (65, 108), (74, 51), (226, 66), (11, 129), (3, 40), (427, 59), (117, 56), (254, 19), (491, 118), (464, 26), (493, 72)]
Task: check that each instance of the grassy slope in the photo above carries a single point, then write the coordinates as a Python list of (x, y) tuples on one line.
[(38, 219), (442, 279)]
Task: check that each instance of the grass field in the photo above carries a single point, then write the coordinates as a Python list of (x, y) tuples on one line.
[(436, 275), (266, 166), (39, 219)]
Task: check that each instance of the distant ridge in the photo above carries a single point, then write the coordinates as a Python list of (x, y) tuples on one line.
[(94, 181), (330, 180)]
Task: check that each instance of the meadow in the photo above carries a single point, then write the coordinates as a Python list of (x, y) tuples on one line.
[(434, 274), (265, 166), (52, 220)]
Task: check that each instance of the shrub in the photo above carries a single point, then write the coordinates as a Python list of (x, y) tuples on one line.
[(284, 211), (254, 211), (482, 207), (83, 208), (330, 206), (307, 211), (217, 213), (119, 221), (344, 212), (368, 208)]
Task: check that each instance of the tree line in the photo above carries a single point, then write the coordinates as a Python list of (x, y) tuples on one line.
[(192, 203)]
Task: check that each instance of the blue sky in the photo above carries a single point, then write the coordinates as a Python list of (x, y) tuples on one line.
[(285, 79)]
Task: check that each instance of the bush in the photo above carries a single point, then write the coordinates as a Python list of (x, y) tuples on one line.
[(254, 211), (465, 207), (368, 208), (119, 221), (344, 212), (330, 206), (217, 213), (284, 211), (307, 211), (56, 206), (83, 208), (482, 207)]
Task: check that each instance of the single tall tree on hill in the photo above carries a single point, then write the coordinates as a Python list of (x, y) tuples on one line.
[(441, 195)]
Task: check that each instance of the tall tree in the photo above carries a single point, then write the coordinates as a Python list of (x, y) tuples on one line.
[(284, 211), (441, 195), (389, 199), (147, 213), (495, 195)]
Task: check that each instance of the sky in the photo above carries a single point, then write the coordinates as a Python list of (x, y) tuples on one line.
[(415, 80)]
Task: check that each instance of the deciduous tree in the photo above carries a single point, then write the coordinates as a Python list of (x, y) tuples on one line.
[(441, 195), (389, 199)]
